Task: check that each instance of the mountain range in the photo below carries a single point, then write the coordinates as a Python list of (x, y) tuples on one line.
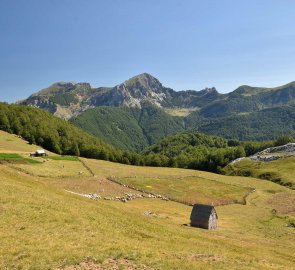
[(67, 100), (141, 111)]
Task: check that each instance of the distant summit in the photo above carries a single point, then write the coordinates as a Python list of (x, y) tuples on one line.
[(68, 99), (144, 80)]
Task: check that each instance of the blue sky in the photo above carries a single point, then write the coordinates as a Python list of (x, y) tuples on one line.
[(186, 44)]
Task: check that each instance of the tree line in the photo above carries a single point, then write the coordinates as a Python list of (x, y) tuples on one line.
[(190, 150)]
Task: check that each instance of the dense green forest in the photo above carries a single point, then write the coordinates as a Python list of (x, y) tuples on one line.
[(52, 133), (135, 129), (188, 150), (262, 125), (204, 152), (129, 128)]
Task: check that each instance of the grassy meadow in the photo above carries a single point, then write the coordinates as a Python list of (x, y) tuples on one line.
[(44, 227), (10, 143), (189, 190), (181, 112), (54, 168)]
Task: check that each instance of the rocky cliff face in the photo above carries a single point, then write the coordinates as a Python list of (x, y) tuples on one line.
[(62, 99), (135, 92)]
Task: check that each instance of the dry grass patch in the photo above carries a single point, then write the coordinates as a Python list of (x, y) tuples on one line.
[(190, 190), (98, 185), (43, 227), (180, 111), (10, 143), (108, 264), (283, 202), (54, 168), (106, 168)]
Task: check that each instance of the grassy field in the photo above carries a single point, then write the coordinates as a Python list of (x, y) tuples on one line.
[(44, 227), (17, 159), (54, 168), (189, 190), (10, 143), (86, 185), (180, 111), (281, 170)]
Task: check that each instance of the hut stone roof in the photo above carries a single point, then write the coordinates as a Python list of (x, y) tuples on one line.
[(202, 211)]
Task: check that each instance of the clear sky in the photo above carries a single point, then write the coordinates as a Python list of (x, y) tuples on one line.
[(186, 44)]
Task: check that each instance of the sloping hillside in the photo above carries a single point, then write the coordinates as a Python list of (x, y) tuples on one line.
[(45, 227), (275, 164), (52, 133), (129, 128), (262, 125), (135, 129), (250, 99)]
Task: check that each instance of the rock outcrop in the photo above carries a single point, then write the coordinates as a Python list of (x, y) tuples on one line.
[(271, 153)]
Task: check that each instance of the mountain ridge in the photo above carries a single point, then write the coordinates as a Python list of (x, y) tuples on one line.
[(68, 99)]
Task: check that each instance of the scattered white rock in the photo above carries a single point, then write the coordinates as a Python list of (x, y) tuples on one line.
[(269, 154), (149, 214)]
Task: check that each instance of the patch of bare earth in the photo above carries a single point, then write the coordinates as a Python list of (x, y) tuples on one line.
[(283, 202), (98, 185), (200, 257), (108, 264)]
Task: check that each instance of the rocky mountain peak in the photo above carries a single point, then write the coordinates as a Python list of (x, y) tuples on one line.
[(144, 81), (139, 89)]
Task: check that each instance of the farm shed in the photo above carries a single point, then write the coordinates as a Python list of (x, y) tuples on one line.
[(204, 216), (39, 153)]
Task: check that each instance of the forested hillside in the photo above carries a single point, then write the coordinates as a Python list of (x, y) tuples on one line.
[(266, 124), (250, 99), (204, 152), (135, 129), (52, 133), (129, 128)]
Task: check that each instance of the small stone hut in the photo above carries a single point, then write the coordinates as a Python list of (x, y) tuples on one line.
[(204, 216), (39, 153)]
